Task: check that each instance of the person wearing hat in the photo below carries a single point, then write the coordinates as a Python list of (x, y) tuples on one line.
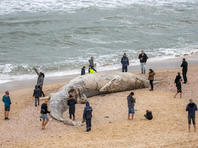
[(191, 108), (7, 103), (44, 112)]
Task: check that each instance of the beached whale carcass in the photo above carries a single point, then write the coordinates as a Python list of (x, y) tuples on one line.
[(90, 85)]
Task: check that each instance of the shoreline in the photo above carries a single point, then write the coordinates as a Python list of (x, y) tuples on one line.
[(164, 64)]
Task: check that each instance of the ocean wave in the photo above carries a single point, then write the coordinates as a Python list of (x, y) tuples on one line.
[(18, 72), (12, 6)]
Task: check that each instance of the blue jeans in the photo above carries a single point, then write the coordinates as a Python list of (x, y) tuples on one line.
[(44, 117), (143, 68)]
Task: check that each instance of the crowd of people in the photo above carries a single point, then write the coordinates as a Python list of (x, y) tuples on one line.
[(191, 108)]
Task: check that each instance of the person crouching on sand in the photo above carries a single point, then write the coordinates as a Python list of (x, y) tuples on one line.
[(178, 81), (7, 103), (44, 112), (71, 103), (151, 78), (191, 108), (131, 104), (148, 115)]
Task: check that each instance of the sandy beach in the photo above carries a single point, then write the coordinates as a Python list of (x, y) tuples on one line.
[(111, 128)]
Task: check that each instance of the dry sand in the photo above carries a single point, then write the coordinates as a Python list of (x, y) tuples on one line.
[(168, 129)]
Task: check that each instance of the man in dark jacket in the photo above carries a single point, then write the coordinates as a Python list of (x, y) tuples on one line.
[(87, 115), (7, 103), (83, 71), (44, 112), (184, 66), (40, 81), (191, 108), (143, 59), (36, 95), (131, 104), (178, 81), (124, 62), (71, 103)]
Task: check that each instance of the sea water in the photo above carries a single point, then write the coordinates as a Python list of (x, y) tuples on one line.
[(59, 36)]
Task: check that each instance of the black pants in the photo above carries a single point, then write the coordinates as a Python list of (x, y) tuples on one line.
[(36, 101), (124, 68), (184, 76), (151, 83), (42, 93), (70, 116), (88, 124), (191, 118)]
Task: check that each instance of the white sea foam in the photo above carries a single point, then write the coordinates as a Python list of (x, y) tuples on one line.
[(11, 6), (104, 63)]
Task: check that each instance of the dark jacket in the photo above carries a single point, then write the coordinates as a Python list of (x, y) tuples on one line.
[(178, 80), (6, 100), (44, 109), (87, 114), (91, 63), (191, 108), (125, 61), (37, 92), (143, 58), (40, 79), (71, 103), (184, 66), (151, 76), (83, 71), (149, 115), (131, 101)]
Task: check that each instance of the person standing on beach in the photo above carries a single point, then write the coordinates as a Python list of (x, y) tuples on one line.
[(143, 59), (44, 112), (131, 104), (92, 64), (151, 78), (91, 70), (71, 103), (40, 81), (184, 66), (178, 81), (7, 102), (36, 95), (191, 108), (87, 115), (124, 62), (83, 71)]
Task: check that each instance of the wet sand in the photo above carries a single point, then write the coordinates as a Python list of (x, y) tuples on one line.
[(168, 129)]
